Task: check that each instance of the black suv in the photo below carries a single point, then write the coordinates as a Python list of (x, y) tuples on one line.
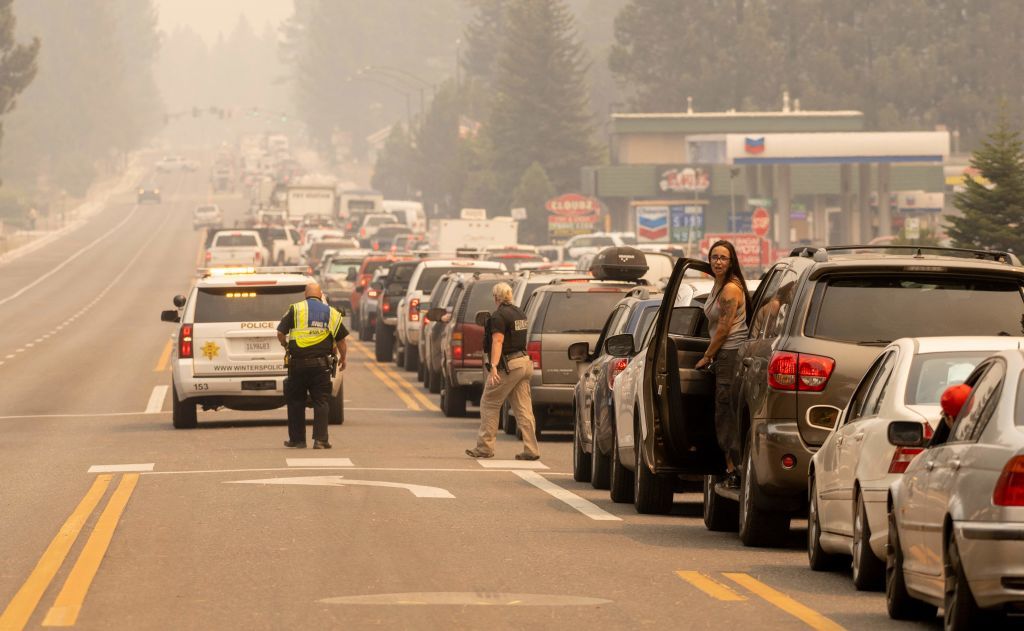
[(392, 290), (817, 321)]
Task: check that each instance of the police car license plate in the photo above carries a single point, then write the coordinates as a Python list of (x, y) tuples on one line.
[(259, 385), (258, 346)]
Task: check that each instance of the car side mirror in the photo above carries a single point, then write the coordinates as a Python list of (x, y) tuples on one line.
[(906, 434), (360, 289), (179, 301), (482, 317), (171, 315), (823, 416), (579, 351), (620, 345), (436, 313), (352, 275)]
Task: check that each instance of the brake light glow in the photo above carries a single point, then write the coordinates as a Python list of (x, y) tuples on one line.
[(258, 258), (185, 342), (414, 310), (1010, 487), (457, 345), (533, 350), (386, 307), (208, 256), (618, 365), (799, 371)]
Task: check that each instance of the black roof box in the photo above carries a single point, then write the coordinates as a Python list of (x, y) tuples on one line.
[(619, 263)]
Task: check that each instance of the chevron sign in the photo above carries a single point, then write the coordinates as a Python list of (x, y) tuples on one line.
[(652, 224)]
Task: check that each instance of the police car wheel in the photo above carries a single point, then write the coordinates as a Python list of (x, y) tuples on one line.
[(183, 413), (336, 408)]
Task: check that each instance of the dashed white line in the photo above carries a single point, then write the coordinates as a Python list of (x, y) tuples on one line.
[(589, 509), (20, 350), (156, 399), (120, 468)]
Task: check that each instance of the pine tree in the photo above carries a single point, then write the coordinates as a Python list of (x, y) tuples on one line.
[(393, 173), (533, 191), (483, 38), (17, 61), (993, 213), (540, 108)]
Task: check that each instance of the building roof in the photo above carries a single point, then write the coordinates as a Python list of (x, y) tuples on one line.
[(738, 122)]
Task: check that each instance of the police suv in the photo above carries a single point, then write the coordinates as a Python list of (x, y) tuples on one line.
[(226, 352)]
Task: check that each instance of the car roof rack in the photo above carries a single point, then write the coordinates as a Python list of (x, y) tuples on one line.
[(918, 250)]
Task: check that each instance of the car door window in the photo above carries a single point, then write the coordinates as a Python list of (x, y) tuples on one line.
[(980, 405), (877, 393), (774, 310), (860, 395), (759, 301)]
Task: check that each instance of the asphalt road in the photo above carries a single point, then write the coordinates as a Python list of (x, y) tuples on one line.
[(394, 528)]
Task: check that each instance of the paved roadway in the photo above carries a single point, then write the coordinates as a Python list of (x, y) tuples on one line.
[(224, 532)]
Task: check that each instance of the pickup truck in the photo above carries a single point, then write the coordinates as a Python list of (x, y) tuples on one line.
[(284, 244), (236, 247)]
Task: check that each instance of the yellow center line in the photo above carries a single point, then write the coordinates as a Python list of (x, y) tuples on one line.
[(68, 605), (807, 615), (162, 363), (385, 379), (19, 610), (710, 586), (398, 378)]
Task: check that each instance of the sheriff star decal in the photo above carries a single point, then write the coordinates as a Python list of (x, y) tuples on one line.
[(210, 350)]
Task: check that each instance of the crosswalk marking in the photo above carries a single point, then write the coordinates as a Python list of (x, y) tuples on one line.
[(318, 462)]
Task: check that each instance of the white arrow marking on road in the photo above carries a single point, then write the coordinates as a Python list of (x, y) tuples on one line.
[(417, 490), (156, 399)]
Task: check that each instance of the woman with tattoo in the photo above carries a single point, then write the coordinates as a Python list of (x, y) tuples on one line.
[(726, 310)]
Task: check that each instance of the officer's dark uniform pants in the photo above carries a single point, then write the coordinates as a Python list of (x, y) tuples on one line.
[(316, 381)]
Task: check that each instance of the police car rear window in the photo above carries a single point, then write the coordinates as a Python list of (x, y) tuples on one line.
[(245, 304), (234, 240), (579, 311)]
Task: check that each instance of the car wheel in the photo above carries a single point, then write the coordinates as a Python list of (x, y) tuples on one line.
[(398, 352), (280, 258), (412, 358), (960, 610), (453, 400), (900, 604), (421, 372), (720, 513), (600, 464), (365, 332), (620, 486), (538, 424), (868, 569), (817, 558), (508, 422), (434, 379), (183, 413), (580, 458), (385, 343), (652, 493), (336, 408), (758, 527)]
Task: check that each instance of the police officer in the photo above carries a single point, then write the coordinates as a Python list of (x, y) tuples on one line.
[(313, 333), (508, 378)]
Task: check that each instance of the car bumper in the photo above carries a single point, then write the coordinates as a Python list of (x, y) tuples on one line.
[(553, 395), (785, 489), (469, 376), (209, 389), (412, 333), (878, 517), (993, 560)]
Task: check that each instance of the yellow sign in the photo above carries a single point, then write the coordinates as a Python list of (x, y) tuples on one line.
[(210, 350)]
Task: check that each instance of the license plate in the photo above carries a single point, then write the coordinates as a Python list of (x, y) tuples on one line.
[(257, 347), (259, 385)]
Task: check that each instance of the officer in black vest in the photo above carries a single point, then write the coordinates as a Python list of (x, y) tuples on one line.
[(508, 378)]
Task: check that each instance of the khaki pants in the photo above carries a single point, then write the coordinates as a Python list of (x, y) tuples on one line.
[(515, 386)]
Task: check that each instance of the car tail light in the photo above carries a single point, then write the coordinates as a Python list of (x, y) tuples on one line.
[(362, 233), (414, 310), (208, 256), (386, 306), (364, 281), (185, 342), (376, 245), (902, 458), (1010, 487), (372, 293), (798, 371), (618, 365), (533, 350), (257, 258), (457, 345)]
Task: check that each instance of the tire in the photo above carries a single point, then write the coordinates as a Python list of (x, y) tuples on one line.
[(398, 352), (434, 381), (817, 558), (868, 569), (900, 604), (720, 513), (412, 358), (538, 425), (365, 332), (385, 343), (758, 527), (960, 611), (600, 464), (580, 458), (421, 372), (652, 493), (508, 422), (280, 259), (453, 400), (620, 486), (183, 413), (336, 408)]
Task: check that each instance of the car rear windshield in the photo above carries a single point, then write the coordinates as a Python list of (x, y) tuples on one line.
[(403, 273), (342, 266), (235, 241), (579, 311), (877, 310), (388, 231), (373, 266), (430, 275), (206, 210), (932, 373), (246, 304), (480, 299)]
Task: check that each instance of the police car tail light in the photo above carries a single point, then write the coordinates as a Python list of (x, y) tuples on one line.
[(617, 366), (414, 310), (1010, 487), (185, 342), (533, 350)]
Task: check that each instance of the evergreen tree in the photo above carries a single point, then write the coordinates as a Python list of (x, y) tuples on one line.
[(540, 106), (993, 213), (17, 61), (532, 193), (439, 171), (483, 37), (393, 173)]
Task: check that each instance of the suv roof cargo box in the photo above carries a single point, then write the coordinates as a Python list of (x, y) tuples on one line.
[(619, 263)]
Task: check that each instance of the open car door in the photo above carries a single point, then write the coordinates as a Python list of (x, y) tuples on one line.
[(679, 414)]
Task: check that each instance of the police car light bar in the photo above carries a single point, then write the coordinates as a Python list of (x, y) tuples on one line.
[(206, 272)]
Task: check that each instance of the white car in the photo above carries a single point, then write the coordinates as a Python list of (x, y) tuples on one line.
[(592, 243), (226, 352), (422, 281), (659, 266), (956, 518), (207, 216), (408, 213), (284, 244), (850, 475), (168, 164), (373, 222), (236, 247)]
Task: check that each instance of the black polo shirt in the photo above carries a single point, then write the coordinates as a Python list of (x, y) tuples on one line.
[(510, 321)]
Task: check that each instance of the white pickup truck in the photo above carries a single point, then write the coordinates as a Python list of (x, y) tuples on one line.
[(284, 244), (236, 247)]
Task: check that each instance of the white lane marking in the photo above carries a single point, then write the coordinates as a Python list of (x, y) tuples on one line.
[(30, 345), (575, 501), (351, 409), (20, 350), (11, 356), (318, 462), (71, 258), (466, 598), (89, 415), (418, 490), (293, 469), (511, 464), (120, 468), (156, 399)]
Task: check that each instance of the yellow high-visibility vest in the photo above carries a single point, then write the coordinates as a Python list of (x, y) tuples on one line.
[(312, 328)]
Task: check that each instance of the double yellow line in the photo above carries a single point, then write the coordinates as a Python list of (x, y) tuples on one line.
[(410, 395), (723, 592), (68, 605)]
